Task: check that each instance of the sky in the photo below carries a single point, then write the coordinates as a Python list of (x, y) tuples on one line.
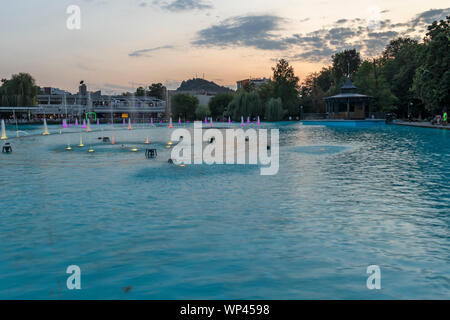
[(124, 44)]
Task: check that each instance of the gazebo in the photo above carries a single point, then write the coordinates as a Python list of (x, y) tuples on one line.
[(348, 104)]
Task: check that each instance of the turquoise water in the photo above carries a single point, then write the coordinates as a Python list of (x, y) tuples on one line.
[(344, 198)]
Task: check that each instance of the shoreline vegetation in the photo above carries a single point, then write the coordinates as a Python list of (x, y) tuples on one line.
[(410, 79)]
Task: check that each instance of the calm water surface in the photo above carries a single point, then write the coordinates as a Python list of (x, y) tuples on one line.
[(344, 199)]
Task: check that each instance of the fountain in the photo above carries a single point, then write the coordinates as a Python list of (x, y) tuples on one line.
[(113, 141), (88, 127), (229, 120), (76, 122), (84, 124), (147, 141), (248, 120), (151, 121), (81, 141), (206, 120), (242, 121), (3, 137), (170, 123), (211, 122), (129, 124), (259, 121), (45, 133), (64, 123), (123, 122), (179, 120), (98, 122)]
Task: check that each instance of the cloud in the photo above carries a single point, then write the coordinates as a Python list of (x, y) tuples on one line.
[(183, 5), (248, 31), (144, 52), (264, 32)]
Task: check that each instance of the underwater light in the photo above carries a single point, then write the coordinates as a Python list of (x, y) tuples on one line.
[(91, 150), (69, 148), (134, 150)]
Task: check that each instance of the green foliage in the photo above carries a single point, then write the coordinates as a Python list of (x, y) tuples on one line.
[(19, 91), (184, 105), (285, 87), (347, 60), (201, 112), (140, 92), (274, 110), (245, 104), (370, 81), (157, 90), (219, 103), (399, 64), (432, 80)]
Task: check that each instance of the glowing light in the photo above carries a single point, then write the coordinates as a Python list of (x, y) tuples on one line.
[(91, 150), (4, 137), (45, 133), (134, 150), (81, 142), (170, 143), (242, 121), (182, 165), (170, 123), (129, 124), (259, 121), (69, 148), (147, 141)]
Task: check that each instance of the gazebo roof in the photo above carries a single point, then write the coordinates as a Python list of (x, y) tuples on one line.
[(348, 95), (348, 85), (348, 91)]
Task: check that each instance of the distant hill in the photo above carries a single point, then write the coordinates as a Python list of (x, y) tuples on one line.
[(203, 85)]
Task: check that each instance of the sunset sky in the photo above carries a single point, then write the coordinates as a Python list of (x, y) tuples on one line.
[(128, 43)]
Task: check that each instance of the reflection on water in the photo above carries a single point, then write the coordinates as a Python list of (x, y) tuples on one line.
[(344, 199)]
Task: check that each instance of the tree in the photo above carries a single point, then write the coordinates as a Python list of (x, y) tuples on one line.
[(369, 80), (395, 46), (219, 103), (432, 80), (184, 104), (344, 62), (274, 110), (285, 86), (245, 104), (399, 64), (140, 92), (20, 91), (157, 90), (201, 112)]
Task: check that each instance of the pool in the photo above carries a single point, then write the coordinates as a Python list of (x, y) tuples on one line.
[(344, 198)]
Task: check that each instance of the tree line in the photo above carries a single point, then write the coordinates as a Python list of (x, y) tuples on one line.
[(408, 77)]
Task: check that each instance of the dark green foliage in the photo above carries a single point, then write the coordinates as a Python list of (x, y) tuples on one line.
[(219, 103), (184, 105), (274, 110), (20, 91)]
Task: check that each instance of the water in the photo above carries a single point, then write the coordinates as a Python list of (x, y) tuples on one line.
[(345, 198)]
